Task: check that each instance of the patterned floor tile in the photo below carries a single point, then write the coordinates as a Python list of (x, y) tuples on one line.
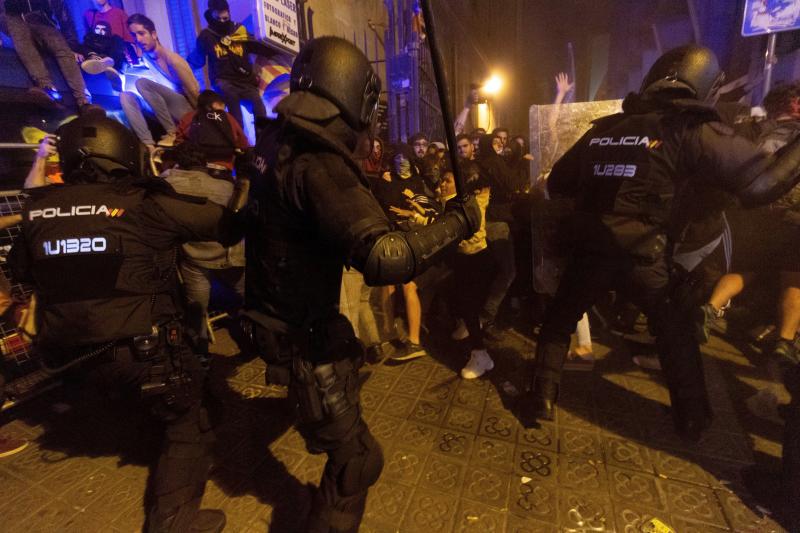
[(632, 487), (439, 391), (429, 412), (387, 502), (692, 502), (417, 435), (535, 464), (627, 454), (381, 381), (584, 511), (403, 465), (397, 405), (545, 436), (473, 517), (742, 517), (526, 525), (420, 369), (430, 512), (371, 399), (499, 425), (442, 474), (582, 474), (632, 517), (673, 466), (583, 420), (532, 499), (580, 443), (409, 386), (486, 486), (494, 454), (453, 444), (385, 428), (462, 419), (471, 393)]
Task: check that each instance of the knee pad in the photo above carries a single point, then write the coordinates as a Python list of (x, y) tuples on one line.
[(363, 468)]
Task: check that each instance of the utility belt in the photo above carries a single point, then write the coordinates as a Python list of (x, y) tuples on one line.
[(162, 348), (320, 362)]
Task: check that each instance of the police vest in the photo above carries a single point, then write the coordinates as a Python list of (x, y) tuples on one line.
[(95, 275), (212, 131), (628, 167)]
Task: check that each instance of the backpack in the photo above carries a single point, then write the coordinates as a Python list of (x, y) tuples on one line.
[(211, 130)]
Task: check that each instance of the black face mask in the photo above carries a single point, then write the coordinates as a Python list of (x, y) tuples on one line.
[(223, 28)]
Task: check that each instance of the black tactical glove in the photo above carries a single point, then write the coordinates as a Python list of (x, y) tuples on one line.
[(469, 211)]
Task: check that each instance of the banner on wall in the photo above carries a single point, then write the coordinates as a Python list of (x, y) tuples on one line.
[(278, 23)]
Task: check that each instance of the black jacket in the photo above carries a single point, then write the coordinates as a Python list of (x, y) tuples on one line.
[(227, 55), (634, 164), (101, 257)]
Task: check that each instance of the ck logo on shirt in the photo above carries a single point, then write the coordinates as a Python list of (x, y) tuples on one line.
[(214, 115), (76, 245)]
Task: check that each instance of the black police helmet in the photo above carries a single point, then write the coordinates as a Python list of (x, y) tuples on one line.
[(337, 70), (691, 67), (94, 141)]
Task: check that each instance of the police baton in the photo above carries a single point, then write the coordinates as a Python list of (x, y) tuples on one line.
[(444, 98)]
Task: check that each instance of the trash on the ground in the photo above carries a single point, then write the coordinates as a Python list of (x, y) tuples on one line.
[(525, 479), (654, 525), (509, 388)]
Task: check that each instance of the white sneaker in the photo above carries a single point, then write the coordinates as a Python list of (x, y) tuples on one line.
[(167, 140), (97, 65), (479, 363), (461, 332)]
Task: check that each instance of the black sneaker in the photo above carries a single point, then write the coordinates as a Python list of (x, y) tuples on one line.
[(409, 351), (785, 351), (704, 317)]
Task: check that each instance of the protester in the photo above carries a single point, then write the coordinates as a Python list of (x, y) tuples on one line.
[(36, 24), (171, 97), (223, 45)]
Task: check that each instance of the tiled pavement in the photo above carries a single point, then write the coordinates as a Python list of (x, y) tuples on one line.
[(456, 459)]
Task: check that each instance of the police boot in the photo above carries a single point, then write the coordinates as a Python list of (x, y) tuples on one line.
[(691, 417), (539, 403)]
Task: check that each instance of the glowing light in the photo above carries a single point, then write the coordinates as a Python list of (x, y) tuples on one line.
[(493, 85)]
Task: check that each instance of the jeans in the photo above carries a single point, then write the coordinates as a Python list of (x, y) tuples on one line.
[(167, 105), (28, 38), (355, 305), (197, 286), (501, 248), (233, 92)]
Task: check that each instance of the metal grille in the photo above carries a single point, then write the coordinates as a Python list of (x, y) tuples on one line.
[(16, 351)]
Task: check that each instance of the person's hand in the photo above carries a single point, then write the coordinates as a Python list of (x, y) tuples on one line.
[(529, 157), (405, 213), (47, 147), (79, 57), (563, 85), (415, 206), (468, 211)]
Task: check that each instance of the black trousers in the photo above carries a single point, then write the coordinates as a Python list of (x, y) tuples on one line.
[(233, 92), (178, 482), (598, 264), (791, 450)]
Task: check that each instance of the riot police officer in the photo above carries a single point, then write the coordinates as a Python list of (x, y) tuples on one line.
[(314, 213), (100, 251), (623, 175)]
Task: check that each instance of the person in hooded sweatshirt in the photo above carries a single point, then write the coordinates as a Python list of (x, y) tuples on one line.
[(225, 45)]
